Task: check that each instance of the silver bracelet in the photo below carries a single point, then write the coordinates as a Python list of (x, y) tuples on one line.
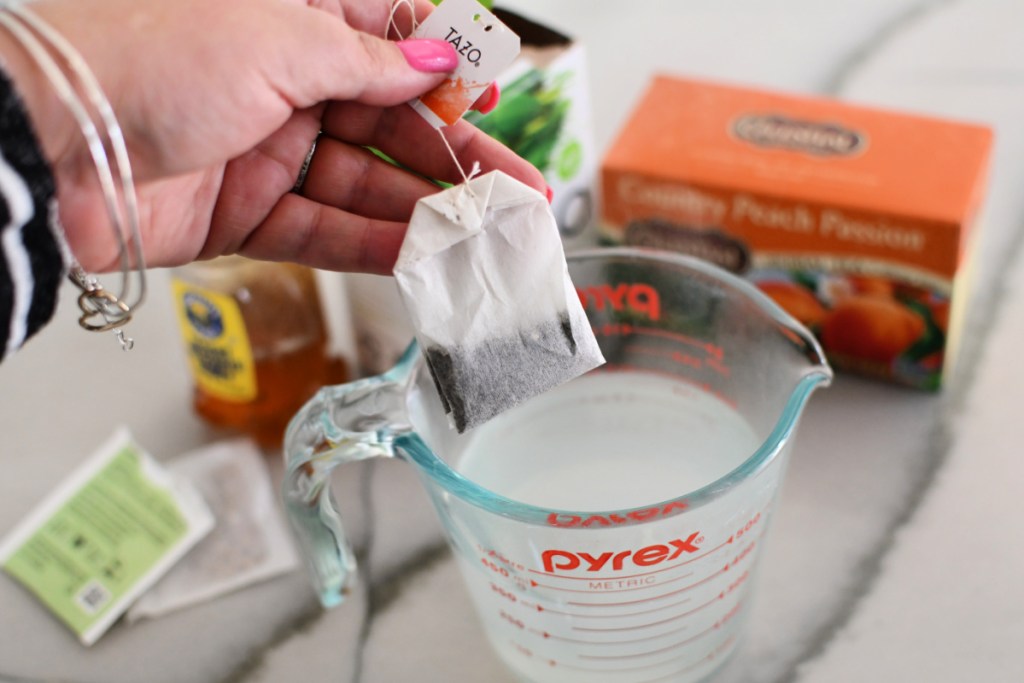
[(101, 309)]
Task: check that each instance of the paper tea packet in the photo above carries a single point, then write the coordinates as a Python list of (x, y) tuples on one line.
[(484, 279), (249, 543), (106, 534)]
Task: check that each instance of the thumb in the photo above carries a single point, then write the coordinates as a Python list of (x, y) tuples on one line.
[(333, 61)]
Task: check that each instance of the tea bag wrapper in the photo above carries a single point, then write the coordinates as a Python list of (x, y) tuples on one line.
[(484, 279), (103, 536)]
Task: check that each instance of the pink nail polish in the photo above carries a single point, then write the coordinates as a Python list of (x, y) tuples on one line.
[(432, 56), (550, 194), (492, 102)]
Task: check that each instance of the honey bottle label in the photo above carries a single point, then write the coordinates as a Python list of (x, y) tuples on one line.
[(217, 343)]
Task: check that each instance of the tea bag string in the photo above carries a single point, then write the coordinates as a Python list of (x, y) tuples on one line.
[(392, 25), (473, 171)]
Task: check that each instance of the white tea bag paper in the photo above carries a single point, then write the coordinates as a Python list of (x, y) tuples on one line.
[(250, 542), (484, 279)]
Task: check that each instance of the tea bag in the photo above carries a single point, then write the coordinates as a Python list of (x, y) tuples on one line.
[(250, 542), (484, 279)]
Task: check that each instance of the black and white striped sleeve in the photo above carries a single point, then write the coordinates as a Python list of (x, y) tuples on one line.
[(32, 262)]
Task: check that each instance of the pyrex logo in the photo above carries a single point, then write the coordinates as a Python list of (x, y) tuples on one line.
[(648, 556), (637, 297), (820, 139)]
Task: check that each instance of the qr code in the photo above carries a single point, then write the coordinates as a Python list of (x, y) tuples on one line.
[(92, 597)]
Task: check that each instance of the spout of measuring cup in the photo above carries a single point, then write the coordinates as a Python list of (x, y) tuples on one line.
[(810, 367), (816, 372), (345, 423)]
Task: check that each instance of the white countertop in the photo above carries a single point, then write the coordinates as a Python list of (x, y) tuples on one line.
[(895, 551)]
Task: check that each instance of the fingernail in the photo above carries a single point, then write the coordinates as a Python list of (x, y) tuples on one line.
[(550, 194), (492, 101), (432, 56)]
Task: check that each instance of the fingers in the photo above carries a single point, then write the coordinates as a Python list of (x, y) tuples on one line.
[(402, 134), (304, 231), (488, 100), (356, 180), (323, 58), (254, 181), (353, 210), (373, 16)]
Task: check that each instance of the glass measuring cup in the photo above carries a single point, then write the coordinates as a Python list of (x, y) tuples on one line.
[(607, 530)]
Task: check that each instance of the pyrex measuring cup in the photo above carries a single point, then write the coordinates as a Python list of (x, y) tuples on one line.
[(607, 530)]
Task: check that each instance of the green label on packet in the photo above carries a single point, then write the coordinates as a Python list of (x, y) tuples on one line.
[(109, 532)]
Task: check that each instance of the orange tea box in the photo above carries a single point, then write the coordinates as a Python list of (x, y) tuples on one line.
[(855, 220)]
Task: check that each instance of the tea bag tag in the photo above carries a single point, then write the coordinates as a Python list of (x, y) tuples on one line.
[(483, 277), (485, 46)]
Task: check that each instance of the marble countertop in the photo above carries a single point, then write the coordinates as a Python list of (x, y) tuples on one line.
[(895, 552)]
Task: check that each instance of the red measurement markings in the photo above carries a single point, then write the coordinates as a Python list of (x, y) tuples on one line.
[(623, 615), (719, 367), (728, 590), (653, 597), (649, 624), (498, 557), (618, 615), (725, 647), (522, 649), (742, 555), (515, 621), (604, 605), (507, 594), (541, 608), (565, 520), (634, 655), (660, 596), (674, 376), (528, 653), (612, 330), (740, 533), (735, 584), (496, 568), (648, 653), (523, 584), (721, 649), (684, 359), (732, 613), (580, 641), (712, 350), (621, 577), (597, 585), (750, 524)]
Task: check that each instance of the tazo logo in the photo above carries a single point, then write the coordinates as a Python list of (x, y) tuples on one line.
[(821, 139), (639, 298), (464, 47), (565, 560)]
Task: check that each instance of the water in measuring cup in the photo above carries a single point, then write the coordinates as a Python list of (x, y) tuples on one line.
[(609, 440), (606, 441)]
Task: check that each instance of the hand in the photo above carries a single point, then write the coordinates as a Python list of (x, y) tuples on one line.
[(221, 101)]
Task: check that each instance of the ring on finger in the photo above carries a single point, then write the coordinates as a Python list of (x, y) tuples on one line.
[(304, 169)]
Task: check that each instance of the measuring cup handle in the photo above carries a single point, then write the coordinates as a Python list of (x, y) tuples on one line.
[(340, 424)]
